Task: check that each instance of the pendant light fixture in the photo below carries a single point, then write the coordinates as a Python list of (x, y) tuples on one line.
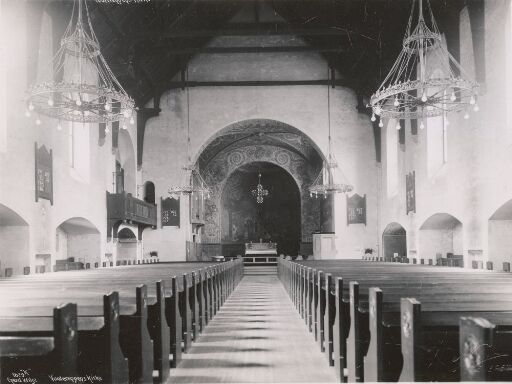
[(330, 179)]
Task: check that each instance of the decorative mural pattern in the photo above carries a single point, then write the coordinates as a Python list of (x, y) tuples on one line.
[(226, 162)]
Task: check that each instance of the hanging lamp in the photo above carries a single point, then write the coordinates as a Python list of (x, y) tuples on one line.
[(193, 181), (88, 91), (425, 80), (330, 179), (259, 192)]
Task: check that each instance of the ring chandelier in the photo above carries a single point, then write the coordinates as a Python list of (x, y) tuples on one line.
[(425, 80), (88, 92)]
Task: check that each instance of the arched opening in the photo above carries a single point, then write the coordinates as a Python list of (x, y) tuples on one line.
[(394, 241), (77, 243), (126, 246), (275, 219), (500, 235), (149, 192), (441, 239), (14, 242), (260, 141)]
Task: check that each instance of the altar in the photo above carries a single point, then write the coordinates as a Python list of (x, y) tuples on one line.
[(260, 253)]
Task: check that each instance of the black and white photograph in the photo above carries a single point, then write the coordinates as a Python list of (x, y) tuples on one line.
[(255, 191)]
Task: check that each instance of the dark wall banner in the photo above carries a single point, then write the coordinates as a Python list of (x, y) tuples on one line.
[(43, 173), (170, 212), (356, 209), (410, 191)]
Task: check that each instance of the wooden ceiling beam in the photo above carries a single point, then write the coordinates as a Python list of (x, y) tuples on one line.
[(242, 29), (252, 83), (122, 36), (170, 51)]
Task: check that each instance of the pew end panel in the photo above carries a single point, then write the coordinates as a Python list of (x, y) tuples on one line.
[(39, 353), (160, 333), (485, 350)]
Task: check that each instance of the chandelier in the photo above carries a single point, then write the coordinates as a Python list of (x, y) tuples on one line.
[(195, 184), (259, 192), (88, 91), (426, 80), (194, 181), (330, 179)]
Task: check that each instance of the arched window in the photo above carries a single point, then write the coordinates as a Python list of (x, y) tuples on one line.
[(119, 178), (149, 192), (392, 158)]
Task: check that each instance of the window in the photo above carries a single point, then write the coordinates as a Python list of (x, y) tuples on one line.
[(437, 143), (79, 151), (3, 86), (149, 192), (392, 158), (119, 178)]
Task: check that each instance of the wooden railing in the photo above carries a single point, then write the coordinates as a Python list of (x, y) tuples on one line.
[(123, 207)]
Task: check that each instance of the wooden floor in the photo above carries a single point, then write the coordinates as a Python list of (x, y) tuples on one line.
[(257, 337)]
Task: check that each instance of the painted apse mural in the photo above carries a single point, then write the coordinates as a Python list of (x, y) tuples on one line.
[(276, 219), (288, 161)]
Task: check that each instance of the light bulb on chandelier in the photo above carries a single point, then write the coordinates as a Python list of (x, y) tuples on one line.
[(425, 80), (381, 124), (398, 127), (87, 86)]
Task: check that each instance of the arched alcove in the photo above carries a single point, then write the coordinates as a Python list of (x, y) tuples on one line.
[(14, 241), (394, 241), (260, 141), (440, 235), (79, 239), (126, 245), (500, 235), (275, 219)]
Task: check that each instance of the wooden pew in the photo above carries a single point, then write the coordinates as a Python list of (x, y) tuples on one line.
[(160, 309), (356, 342), (54, 351)]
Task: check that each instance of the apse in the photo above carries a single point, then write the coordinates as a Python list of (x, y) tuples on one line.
[(274, 218)]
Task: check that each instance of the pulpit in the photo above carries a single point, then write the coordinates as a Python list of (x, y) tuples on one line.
[(260, 253)]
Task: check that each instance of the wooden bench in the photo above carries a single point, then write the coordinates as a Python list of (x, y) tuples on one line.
[(328, 312), (54, 346), (149, 320)]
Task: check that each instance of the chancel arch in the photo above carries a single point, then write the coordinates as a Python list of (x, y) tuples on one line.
[(14, 237), (441, 236), (394, 240), (261, 141), (500, 235), (77, 240)]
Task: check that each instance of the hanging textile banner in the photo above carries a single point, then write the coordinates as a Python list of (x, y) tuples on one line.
[(170, 212), (43, 173), (356, 209), (410, 192)]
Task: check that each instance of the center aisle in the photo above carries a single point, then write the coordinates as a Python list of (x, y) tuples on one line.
[(256, 337)]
